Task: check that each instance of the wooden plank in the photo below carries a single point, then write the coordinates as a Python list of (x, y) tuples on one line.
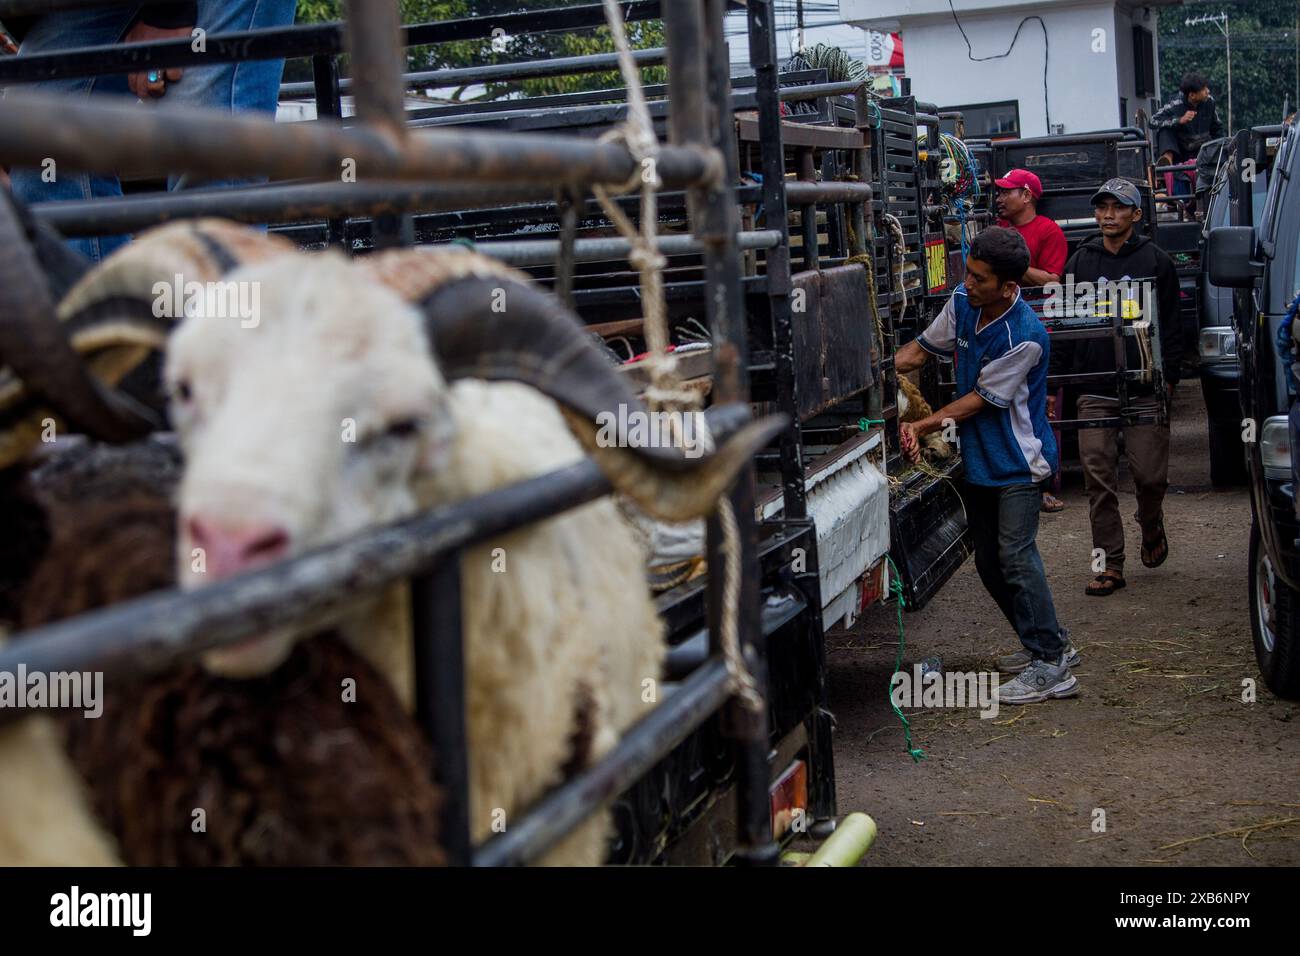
[(800, 134), (690, 366), (621, 327)]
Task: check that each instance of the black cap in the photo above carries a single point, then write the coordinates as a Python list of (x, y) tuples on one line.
[(1120, 189)]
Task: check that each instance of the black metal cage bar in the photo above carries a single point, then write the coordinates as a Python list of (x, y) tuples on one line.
[(323, 39), (505, 72)]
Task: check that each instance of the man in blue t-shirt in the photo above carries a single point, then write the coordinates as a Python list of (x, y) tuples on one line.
[(1000, 355)]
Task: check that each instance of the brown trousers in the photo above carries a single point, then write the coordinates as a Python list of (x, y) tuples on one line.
[(1147, 450)]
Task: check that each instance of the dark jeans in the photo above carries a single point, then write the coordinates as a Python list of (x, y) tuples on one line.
[(1004, 523)]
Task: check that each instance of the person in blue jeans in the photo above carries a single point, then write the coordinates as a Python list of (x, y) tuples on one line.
[(1000, 354), (232, 86)]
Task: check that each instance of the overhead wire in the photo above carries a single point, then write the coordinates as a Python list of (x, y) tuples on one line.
[(970, 52)]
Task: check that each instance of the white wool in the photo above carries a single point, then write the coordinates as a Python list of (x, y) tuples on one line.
[(45, 813)]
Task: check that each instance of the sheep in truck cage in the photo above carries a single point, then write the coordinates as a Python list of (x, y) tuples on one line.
[(281, 772), (369, 390)]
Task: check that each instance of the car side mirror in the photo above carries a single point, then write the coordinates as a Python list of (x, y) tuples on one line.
[(1228, 255)]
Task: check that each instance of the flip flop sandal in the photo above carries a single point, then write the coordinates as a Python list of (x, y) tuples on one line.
[(1163, 542), (1052, 505), (1109, 584)]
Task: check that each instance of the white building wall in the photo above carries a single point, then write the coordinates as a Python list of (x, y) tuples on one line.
[(1082, 85)]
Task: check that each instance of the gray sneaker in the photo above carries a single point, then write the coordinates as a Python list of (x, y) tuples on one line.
[(1039, 681), (1015, 663)]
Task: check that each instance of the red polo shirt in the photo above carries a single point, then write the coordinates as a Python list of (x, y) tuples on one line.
[(1046, 242)]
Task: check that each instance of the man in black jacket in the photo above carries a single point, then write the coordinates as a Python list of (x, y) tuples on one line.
[(1120, 255), (1187, 122)]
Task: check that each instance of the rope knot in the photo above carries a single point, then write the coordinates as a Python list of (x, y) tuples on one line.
[(644, 257)]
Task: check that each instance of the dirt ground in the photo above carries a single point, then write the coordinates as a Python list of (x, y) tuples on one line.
[(1158, 738)]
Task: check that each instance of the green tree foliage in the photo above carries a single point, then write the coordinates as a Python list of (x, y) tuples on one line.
[(535, 46), (1264, 64)]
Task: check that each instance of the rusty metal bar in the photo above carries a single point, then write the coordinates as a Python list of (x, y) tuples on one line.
[(761, 22), (305, 202), (727, 317), (318, 39), (278, 202), (813, 91), (862, 170), (374, 40), (506, 72), (801, 192), (373, 35), (534, 252), (329, 103), (150, 634), (104, 135), (806, 170)]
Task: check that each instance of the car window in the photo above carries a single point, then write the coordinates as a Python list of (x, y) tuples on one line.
[(1219, 208), (1266, 219), (1295, 273)]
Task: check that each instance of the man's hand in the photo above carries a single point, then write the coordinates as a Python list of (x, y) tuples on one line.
[(1188, 116), (908, 443), (1051, 407), (139, 83)]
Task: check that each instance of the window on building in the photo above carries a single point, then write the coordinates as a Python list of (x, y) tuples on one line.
[(1144, 62), (990, 120)]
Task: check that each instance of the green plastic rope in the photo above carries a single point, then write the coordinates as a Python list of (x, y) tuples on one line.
[(460, 241), (865, 423), (880, 117), (896, 586)]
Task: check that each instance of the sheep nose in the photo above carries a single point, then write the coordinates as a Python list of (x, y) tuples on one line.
[(230, 550)]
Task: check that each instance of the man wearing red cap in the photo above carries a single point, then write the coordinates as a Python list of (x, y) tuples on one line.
[(1018, 195), (1017, 199)]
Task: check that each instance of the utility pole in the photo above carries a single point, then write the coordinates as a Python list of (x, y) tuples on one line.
[(1221, 21), (799, 37)]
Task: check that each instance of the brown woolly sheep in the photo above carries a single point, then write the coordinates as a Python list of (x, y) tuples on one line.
[(284, 769)]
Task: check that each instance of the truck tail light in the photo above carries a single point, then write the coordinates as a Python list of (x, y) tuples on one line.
[(788, 798)]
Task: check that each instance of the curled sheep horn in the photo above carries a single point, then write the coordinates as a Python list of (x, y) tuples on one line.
[(487, 321), (42, 366), (95, 359)]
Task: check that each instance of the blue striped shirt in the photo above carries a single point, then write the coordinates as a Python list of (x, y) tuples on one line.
[(1009, 441)]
